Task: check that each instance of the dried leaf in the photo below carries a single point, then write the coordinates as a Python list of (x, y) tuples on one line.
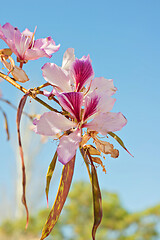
[(19, 114), (6, 123), (85, 139), (93, 150), (62, 194), (97, 201), (6, 51), (99, 161), (50, 173), (119, 141), (17, 72), (106, 148)]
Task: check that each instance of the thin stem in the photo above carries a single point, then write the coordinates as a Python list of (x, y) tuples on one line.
[(14, 107), (24, 90), (43, 85), (21, 64)]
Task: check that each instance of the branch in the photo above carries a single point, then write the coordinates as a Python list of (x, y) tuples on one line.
[(24, 90)]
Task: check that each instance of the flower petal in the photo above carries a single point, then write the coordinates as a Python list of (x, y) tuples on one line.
[(72, 103), (56, 76), (107, 122), (106, 103), (7, 34), (68, 146), (46, 44), (23, 44), (51, 123), (103, 85), (68, 58), (96, 103), (82, 72), (91, 105), (27, 33)]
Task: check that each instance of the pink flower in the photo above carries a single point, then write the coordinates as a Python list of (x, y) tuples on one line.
[(23, 44), (76, 75), (80, 110)]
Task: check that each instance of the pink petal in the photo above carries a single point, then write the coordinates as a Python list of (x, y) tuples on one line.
[(72, 103), (7, 34), (56, 77), (27, 33), (46, 44), (68, 58), (82, 72), (103, 85), (68, 146), (96, 103), (33, 54), (51, 123), (23, 44), (106, 103), (107, 122)]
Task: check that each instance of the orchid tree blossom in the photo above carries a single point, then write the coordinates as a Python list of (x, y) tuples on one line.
[(72, 76), (80, 111), (23, 44), (75, 75)]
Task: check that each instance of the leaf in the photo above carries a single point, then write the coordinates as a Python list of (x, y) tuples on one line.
[(64, 186), (85, 157), (99, 161), (119, 141), (106, 148), (93, 150), (97, 201), (19, 114), (6, 51), (50, 173), (6, 123), (18, 73)]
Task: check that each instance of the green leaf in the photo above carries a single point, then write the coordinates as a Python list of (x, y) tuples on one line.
[(119, 141), (97, 201), (62, 194), (50, 173)]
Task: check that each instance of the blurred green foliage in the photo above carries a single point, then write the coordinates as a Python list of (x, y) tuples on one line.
[(77, 219)]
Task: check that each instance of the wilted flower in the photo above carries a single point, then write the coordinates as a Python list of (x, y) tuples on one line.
[(23, 44)]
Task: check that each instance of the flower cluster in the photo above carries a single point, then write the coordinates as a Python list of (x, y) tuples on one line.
[(86, 102), (84, 118)]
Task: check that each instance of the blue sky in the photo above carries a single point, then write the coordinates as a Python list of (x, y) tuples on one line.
[(123, 40)]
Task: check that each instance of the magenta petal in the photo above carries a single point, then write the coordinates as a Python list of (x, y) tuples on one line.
[(72, 103), (107, 122), (51, 123), (91, 106), (82, 72), (68, 146)]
